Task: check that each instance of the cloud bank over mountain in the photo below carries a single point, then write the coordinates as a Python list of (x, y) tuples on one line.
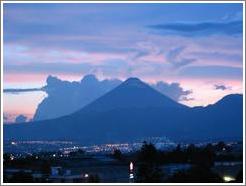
[(172, 90), (66, 97)]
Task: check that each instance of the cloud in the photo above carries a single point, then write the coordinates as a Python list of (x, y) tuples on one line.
[(66, 97), (175, 58), (16, 91), (187, 99), (221, 87), (5, 117), (230, 57), (215, 72), (114, 49), (235, 16), (172, 90), (146, 48), (20, 119), (8, 117), (108, 68), (200, 28)]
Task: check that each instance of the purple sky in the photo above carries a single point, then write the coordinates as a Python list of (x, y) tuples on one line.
[(199, 46)]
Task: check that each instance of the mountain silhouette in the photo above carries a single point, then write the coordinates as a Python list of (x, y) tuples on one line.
[(134, 110), (64, 97), (132, 93)]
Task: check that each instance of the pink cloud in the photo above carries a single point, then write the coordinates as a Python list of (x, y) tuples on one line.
[(23, 54)]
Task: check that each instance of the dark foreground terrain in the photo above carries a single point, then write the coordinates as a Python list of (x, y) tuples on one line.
[(213, 163)]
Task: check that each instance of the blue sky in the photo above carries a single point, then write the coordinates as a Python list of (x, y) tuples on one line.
[(196, 45)]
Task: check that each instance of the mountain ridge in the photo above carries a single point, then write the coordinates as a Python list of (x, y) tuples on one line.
[(115, 117)]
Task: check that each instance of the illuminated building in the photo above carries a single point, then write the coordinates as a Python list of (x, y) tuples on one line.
[(131, 173)]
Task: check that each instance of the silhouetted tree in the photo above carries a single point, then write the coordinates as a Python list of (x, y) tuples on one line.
[(148, 153), (205, 156), (117, 154), (148, 170), (177, 155), (178, 148), (6, 157), (190, 152), (220, 146)]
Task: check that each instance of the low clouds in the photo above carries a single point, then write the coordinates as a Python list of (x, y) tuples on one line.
[(5, 117), (66, 97), (173, 90), (8, 117), (200, 28), (20, 119), (221, 87)]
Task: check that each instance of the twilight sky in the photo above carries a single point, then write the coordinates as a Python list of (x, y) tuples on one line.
[(199, 46)]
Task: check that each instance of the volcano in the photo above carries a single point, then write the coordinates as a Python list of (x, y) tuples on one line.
[(134, 110)]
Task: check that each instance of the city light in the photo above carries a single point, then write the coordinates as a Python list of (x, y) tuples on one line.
[(228, 178), (131, 176), (12, 157), (13, 143), (131, 166)]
